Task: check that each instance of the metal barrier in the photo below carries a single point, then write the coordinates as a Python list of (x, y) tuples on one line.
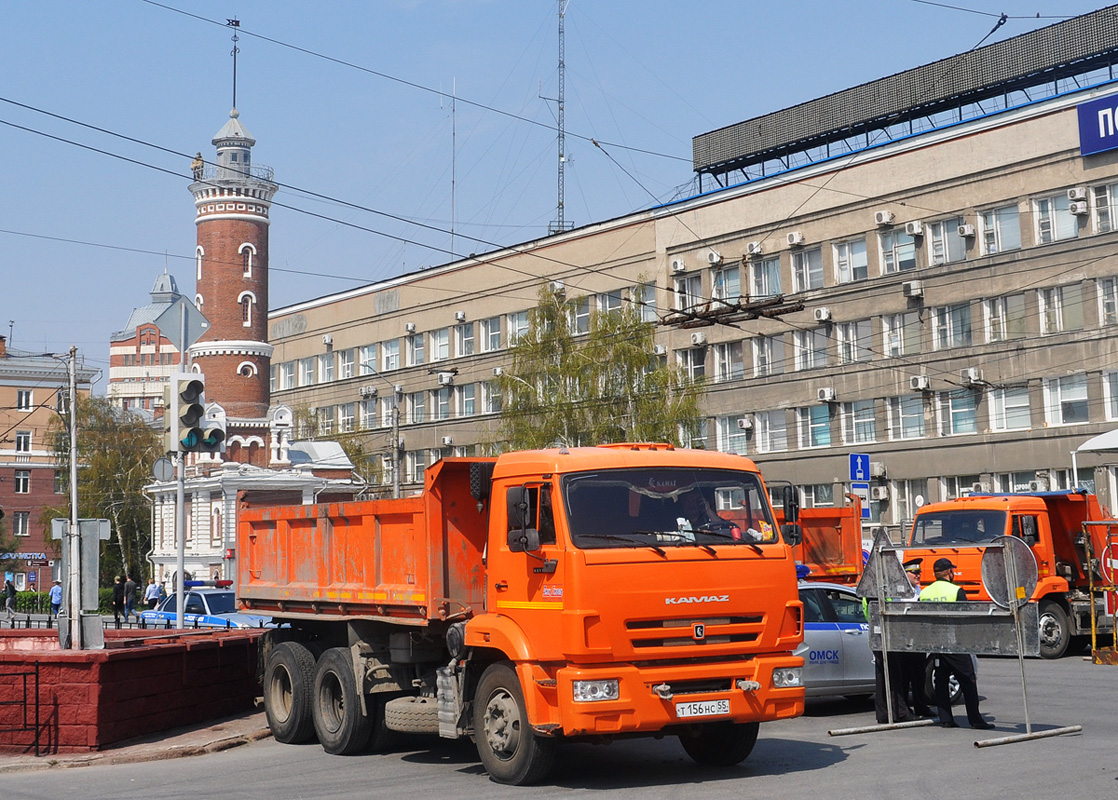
[(27, 679)]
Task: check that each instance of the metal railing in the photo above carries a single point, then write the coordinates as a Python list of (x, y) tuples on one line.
[(26, 701)]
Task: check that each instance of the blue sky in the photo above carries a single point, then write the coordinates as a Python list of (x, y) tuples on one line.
[(331, 91)]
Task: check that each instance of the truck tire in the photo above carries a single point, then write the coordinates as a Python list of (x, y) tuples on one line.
[(721, 744), (381, 738), (510, 751), (1055, 634), (412, 715), (342, 726), (288, 684)]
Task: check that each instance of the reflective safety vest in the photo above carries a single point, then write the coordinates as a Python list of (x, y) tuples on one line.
[(940, 592)]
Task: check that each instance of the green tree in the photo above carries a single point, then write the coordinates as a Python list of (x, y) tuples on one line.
[(116, 453), (367, 463), (604, 385)]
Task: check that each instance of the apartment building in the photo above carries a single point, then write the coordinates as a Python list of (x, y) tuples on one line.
[(945, 236)]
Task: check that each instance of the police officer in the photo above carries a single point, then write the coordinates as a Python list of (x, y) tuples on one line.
[(912, 664), (944, 590)]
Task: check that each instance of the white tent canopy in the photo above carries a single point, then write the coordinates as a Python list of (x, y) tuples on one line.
[(1103, 443)]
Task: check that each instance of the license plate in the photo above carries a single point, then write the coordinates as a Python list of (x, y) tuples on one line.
[(704, 708)]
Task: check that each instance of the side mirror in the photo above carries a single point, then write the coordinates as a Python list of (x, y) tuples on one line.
[(793, 534), (521, 537), (526, 540), (791, 504)]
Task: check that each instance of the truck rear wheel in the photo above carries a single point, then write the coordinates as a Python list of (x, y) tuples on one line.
[(721, 744), (1054, 630), (342, 727), (510, 751), (288, 684)]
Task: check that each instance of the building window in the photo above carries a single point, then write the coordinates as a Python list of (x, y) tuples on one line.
[(246, 300), (693, 362), (951, 326), (198, 252), (415, 463), (609, 302), (898, 252), (467, 406), (247, 252), (850, 261), (859, 422), (807, 269), (771, 431), (345, 363), (287, 375), (387, 411), (367, 359), (518, 326), (1108, 301), (855, 341), (1106, 208), (947, 245), (390, 355), (24, 399), (368, 411), (23, 481), (307, 368), (818, 495), (726, 284), (1005, 318), (906, 417), (645, 297), (1001, 230), (728, 363), (490, 398), (578, 316), (768, 356), (440, 344), (345, 417), (1110, 394), (490, 334), (416, 344), (814, 426), (766, 277), (901, 334), (464, 339), (810, 348), (21, 523), (1009, 409), (1061, 309), (1054, 220), (60, 482), (417, 407), (731, 438), (1066, 400), (688, 291), (23, 441), (959, 410)]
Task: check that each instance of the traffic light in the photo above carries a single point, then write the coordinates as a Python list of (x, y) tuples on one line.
[(188, 430)]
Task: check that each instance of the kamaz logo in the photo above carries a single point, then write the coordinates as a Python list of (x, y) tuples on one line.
[(705, 598)]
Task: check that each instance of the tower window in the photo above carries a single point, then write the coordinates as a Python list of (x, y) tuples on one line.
[(246, 311)]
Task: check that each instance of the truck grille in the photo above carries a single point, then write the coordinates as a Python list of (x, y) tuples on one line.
[(644, 634)]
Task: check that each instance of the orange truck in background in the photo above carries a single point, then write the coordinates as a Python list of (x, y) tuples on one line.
[(538, 597), (1054, 525), (830, 546)]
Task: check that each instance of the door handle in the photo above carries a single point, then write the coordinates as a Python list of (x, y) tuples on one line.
[(851, 632), (501, 586)]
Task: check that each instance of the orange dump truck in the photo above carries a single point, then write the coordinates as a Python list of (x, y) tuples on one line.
[(830, 547), (1054, 525), (529, 599)]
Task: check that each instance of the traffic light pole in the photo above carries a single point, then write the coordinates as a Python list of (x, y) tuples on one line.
[(180, 496)]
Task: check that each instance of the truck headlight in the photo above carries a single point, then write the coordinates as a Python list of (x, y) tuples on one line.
[(788, 677), (592, 691)]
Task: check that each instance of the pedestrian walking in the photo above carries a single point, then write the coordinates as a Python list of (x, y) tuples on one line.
[(130, 599), (118, 599), (55, 597), (10, 598), (151, 594), (944, 590)]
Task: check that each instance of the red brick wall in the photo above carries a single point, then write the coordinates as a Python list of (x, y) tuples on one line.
[(223, 278)]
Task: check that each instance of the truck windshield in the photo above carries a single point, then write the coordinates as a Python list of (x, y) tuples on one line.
[(630, 508), (967, 527)]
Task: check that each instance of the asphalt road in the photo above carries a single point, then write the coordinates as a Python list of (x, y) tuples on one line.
[(793, 759)]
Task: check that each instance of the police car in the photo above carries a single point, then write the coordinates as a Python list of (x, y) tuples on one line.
[(204, 608), (836, 646)]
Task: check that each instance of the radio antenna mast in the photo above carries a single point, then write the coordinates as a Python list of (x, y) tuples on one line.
[(560, 224), (234, 24)]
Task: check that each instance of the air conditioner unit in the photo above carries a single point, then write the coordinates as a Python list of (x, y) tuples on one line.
[(1077, 193), (826, 394), (914, 228), (795, 238), (754, 249), (745, 423), (970, 376), (1037, 486), (821, 314), (714, 257), (367, 391), (446, 378), (877, 469), (919, 383), (459, 316), (498, 371), (980, 488), (678, 265), (879, 493), (912, 288), (409, 327), (883, 217), (966, 230), (659, 350), (557, 287), (327, 339), (698, 338), (1079, 208), (448, 441)]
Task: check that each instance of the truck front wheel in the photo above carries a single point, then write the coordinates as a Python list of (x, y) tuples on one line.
[(721, 744), (509, 749), (1054, 633), (288, 684), (342, 727)]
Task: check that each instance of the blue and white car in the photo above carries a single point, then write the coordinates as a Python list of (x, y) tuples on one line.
[(836, 646), (204, 608)]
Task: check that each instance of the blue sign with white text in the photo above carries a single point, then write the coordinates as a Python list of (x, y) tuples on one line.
[(859, 467), (1098, 125)]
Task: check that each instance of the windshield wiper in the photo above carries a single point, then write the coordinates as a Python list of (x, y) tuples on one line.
[(681, 538), (613, 537)]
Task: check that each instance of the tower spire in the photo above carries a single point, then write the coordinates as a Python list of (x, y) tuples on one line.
[(234, 24)]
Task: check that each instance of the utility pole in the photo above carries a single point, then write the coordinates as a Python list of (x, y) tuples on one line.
[(397, 445), (74, 594)]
